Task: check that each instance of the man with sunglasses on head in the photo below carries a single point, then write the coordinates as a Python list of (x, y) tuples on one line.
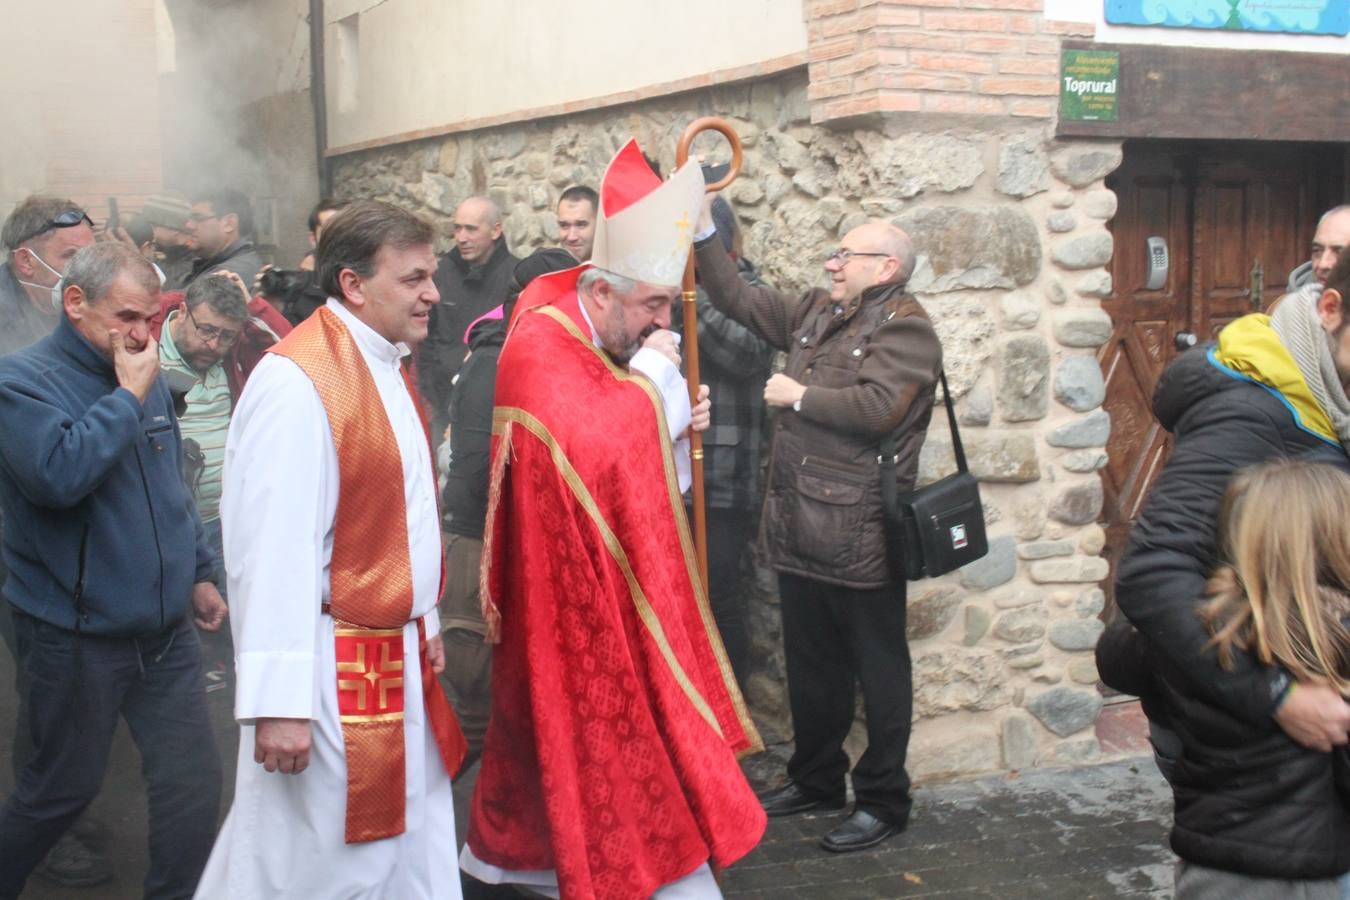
[(40, 237), (862, 362), (109, 566)]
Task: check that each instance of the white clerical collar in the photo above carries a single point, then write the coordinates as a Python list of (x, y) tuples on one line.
[(367, 339), (595, 335)]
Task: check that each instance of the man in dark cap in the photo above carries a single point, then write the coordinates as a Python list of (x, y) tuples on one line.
[(167, 216)]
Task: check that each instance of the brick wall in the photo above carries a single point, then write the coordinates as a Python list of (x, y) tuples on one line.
[(990, 58), (87, 124)]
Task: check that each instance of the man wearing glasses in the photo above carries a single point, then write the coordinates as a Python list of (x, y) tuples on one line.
[(221, 225), (862, 361), (213, 335), (40, 237)]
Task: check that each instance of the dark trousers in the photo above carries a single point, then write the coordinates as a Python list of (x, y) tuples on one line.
[(22, 744), (728, 534), (468, 656), (833, 638), (75, 688)]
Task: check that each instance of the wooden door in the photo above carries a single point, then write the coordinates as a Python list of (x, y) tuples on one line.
[(1154, 194), (1227, 212), (1255, 214)]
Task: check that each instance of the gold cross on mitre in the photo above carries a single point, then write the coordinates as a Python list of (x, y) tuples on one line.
[(683, 224)]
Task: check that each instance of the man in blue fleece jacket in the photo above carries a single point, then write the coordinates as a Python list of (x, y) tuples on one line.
[(106, 559)]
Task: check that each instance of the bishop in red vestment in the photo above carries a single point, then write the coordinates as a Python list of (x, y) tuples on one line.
[(610, 763)]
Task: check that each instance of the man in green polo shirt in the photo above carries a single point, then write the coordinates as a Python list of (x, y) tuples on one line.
[(195, 342), (209, 340)]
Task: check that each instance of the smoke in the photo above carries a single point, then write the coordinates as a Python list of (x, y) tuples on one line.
[(130, 98), (238, 111)]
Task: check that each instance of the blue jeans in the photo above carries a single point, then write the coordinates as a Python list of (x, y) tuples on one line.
[(75, 688)]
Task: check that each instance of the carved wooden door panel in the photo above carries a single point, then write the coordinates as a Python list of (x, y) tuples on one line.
[(1154, 194), (1255, 214)]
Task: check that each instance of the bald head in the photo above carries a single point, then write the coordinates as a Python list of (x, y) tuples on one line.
[(871, 254), (478, 224), (883, 237), (1331, 238)]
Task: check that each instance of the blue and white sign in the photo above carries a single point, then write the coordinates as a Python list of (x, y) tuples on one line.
[(1287, 16)]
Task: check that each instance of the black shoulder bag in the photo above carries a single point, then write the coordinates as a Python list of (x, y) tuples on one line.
[(938, 528)]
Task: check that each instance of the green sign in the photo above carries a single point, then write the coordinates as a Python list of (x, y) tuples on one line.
[(1089, 85)]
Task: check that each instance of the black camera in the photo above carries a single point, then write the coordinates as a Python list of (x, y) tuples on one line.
[(278, 284)]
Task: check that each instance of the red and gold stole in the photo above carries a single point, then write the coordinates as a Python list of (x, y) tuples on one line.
[(371, 592)]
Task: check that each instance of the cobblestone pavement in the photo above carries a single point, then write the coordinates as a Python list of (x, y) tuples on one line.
[(1098, 831), (1071, 833)]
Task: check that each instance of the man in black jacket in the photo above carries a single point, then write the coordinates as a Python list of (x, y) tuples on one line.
[(1273, 386), (464, 505), (472, 279), (221, 224)]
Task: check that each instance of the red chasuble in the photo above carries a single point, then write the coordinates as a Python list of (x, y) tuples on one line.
[(616, 721)]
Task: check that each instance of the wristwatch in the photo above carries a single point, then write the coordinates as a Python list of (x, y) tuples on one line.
[(797, 405)]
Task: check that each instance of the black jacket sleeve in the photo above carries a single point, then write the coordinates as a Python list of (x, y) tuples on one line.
[(1173, 548), (466, 485)]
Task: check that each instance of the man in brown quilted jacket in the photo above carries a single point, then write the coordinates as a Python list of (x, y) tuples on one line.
[(862, 362)]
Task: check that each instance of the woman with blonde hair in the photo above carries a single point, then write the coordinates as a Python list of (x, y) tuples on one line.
[(1258, 815)]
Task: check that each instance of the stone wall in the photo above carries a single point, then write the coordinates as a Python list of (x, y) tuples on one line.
[(1010, 225)]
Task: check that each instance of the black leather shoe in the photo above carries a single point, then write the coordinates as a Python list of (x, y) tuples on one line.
[(858, 832), (790, 799)]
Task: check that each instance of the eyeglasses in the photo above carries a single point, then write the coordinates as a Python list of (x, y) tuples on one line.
[(842, 256), (67, 218), (197, 218), (224, 337)]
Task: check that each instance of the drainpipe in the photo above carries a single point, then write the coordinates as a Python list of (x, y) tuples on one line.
[(318, 93)]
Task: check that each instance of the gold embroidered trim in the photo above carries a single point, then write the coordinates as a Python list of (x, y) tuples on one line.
[(502, 417), (376, 717), (492, 614)]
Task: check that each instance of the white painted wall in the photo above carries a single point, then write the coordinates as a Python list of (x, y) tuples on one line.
[(1094, 11), (398, 66)]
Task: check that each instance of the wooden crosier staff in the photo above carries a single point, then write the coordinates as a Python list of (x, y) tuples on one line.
[(689, 295)]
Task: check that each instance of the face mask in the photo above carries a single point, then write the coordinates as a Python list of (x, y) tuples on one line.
[(54, 289)]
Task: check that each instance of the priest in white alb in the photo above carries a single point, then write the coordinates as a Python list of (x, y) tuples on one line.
[(332, 545)]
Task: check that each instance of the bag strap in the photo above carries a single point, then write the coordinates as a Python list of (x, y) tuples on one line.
[(887, 462), (957, 449)]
